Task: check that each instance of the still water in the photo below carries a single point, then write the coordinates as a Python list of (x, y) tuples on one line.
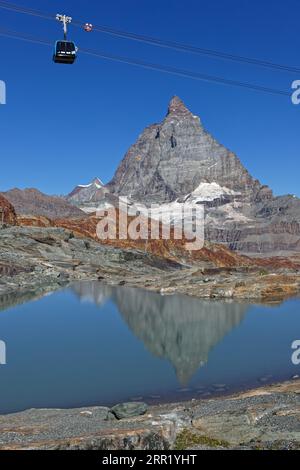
[(92, 344)]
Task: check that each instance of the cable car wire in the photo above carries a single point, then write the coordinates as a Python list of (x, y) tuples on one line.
[(147, 65), (184, 73), (158, 42), (23, 37), (193, 49), (19, 9)]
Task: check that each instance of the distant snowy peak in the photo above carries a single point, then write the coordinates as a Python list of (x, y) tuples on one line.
[(87, 193), (95, 182)]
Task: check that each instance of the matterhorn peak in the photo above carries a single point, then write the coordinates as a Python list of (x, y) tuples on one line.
[(177, 106)]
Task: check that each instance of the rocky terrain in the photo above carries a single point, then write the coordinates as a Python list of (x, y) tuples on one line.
[(33, 202), (40, 253), (267, 418), (43, 258)]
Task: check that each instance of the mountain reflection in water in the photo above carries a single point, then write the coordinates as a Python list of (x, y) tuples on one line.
[(91, 344), (181, 329)]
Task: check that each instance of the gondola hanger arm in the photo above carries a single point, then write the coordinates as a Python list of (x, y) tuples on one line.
[(65, 20)]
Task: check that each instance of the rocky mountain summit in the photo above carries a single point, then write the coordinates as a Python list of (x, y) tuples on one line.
[(173, 158), (178, 161)]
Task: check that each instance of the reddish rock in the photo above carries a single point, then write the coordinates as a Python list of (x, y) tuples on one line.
[(211, 255), (34, 221), (7, 212)]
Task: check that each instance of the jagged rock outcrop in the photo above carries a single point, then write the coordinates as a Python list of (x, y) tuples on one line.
[(7, 212), (35, 203), (178, 160)]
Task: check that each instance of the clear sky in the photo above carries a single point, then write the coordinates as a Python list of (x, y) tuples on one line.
[(63, 125)]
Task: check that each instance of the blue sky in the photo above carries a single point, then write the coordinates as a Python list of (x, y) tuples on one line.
[(63, 125)]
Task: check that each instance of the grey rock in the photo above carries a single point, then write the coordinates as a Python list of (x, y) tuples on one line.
[(129, 410), (63, 276), (155, 169)]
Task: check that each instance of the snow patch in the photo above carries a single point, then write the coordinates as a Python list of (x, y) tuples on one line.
[(96, 182), (210, 192), (232, 214)]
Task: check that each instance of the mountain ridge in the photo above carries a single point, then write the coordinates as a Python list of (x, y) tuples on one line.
[(31, 201)]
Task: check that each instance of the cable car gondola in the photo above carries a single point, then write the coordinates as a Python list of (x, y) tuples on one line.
[(64, 52), (88, 27)]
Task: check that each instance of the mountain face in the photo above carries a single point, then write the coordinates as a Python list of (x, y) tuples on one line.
[(173, 158), (33, 202), (179, 161), (87, 196)]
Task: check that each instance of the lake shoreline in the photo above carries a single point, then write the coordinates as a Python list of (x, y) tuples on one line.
[(261, 418), (44, 260)]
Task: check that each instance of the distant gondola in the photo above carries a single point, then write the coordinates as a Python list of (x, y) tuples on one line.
[(64, 52)]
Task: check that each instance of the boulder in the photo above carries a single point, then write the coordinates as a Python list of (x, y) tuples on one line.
[(129, 410)]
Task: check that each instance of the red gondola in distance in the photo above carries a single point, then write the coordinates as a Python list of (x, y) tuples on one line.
[(88, 27)]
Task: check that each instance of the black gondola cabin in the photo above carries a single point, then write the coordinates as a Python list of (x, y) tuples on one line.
[(64, 52)]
